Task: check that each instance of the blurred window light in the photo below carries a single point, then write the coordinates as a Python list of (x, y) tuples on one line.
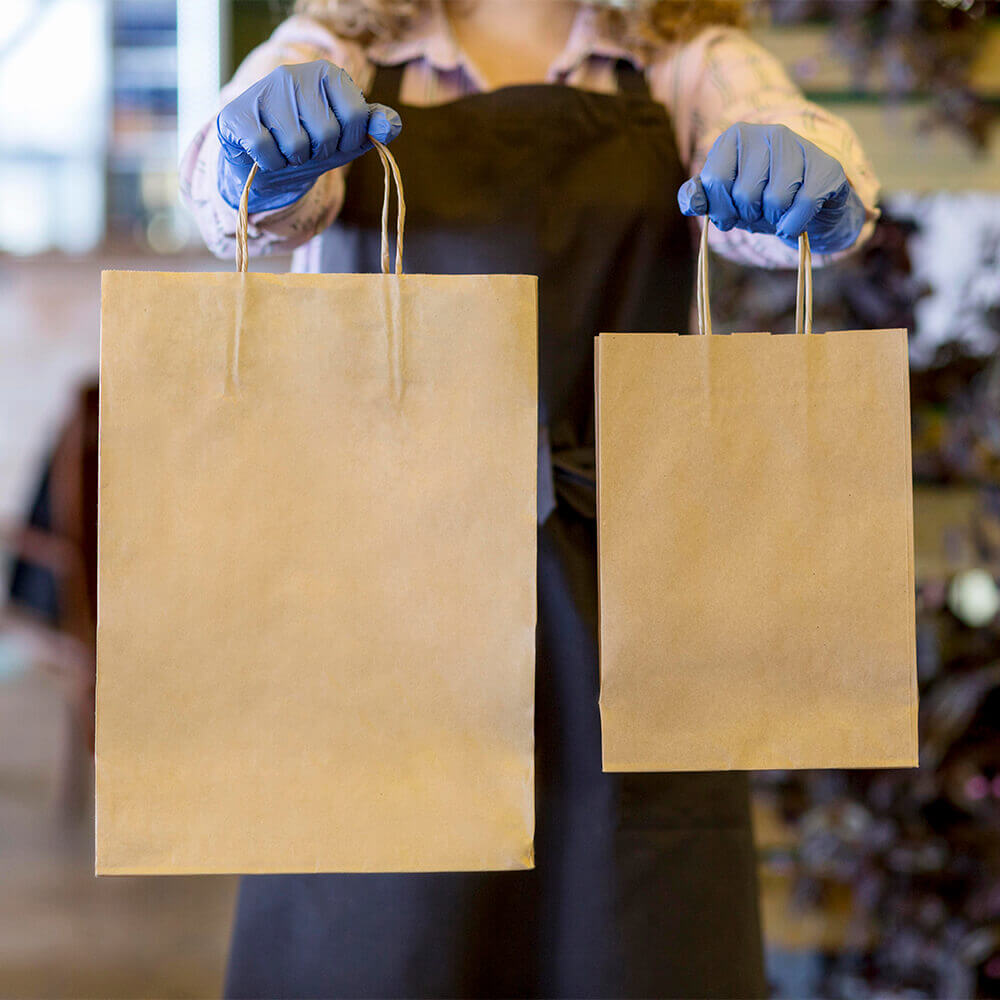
[(58, 204), (53, 76), (199, 45), (53, 119)]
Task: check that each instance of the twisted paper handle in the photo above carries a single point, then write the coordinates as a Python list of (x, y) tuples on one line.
[(243, 222), (803, 290), (391, 169), (389, 163)]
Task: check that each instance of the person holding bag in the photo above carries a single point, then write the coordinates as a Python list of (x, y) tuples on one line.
[(565, 140)]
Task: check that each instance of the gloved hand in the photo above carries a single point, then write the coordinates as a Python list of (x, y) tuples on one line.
[(768, 179), (296, 123)]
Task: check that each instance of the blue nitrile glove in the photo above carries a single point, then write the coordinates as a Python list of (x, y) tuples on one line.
[(296, 123), (768, 179)]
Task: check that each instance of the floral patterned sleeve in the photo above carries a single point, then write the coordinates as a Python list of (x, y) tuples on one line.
[(721, 77), (282, 230)]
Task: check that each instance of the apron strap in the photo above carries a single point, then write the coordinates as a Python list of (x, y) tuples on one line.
[(387, 83), (631, 80)]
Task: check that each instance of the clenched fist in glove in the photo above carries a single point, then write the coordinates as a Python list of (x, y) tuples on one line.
[(768, 179), (296, 123)]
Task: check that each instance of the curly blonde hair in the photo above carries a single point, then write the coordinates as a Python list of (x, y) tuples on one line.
[(636, 22)]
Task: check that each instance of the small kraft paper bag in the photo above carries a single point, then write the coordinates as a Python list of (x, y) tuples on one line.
[(756, 547), (317, 570)]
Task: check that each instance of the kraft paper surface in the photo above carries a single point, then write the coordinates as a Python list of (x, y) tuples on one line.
[(317, 573), (756, 551)]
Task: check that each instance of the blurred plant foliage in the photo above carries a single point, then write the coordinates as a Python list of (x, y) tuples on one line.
[(915, 853), (919, 850), (924, 48)]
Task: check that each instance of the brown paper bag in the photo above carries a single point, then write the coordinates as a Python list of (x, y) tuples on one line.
[(317, 572), (756, 548)]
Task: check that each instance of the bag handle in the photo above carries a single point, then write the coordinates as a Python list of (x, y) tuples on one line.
[(389, 163), (391, 169), (803, 290)]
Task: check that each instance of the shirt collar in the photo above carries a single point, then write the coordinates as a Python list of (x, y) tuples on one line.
[(587, 39), (431, 39)]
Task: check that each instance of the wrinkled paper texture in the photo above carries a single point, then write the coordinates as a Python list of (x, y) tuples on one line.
[(756, 552), (317, 573)]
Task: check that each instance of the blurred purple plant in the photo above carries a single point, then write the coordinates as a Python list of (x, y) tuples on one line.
[(921, 47)]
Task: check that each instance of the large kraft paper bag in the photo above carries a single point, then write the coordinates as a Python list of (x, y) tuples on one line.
[(317, 572), (756, 548)]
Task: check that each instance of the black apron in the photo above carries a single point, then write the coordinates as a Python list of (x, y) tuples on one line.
[(645, 883)]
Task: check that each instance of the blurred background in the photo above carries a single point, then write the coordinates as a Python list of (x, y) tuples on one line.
[(874, 884)]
